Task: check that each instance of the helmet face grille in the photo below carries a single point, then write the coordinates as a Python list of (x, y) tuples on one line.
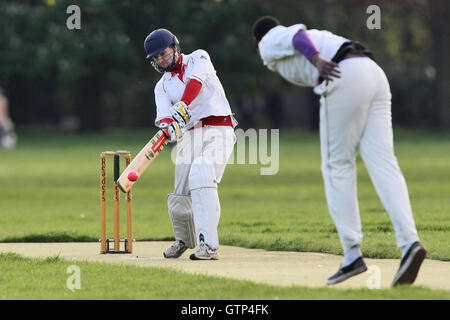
[(170, 67), (157, 67)]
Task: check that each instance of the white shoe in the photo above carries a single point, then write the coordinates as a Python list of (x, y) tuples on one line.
[(204, 252), (175, 250)]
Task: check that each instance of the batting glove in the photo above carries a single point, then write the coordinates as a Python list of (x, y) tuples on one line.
[(173, 131), (181, 113)]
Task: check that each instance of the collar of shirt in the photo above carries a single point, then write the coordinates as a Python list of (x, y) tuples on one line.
[(179, 68)]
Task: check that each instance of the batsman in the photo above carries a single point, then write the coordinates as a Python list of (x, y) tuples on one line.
[(192, 107)]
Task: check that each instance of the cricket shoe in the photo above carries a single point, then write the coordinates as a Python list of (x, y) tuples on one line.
[(410, 265), (204, 252), (356, 267), (175, 250)]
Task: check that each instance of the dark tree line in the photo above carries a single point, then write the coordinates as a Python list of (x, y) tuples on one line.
[(98, 77)]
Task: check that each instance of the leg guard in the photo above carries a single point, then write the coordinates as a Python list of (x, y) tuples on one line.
[(182, 217)]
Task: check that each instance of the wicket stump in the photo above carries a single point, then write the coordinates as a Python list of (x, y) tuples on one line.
[(105, 242)]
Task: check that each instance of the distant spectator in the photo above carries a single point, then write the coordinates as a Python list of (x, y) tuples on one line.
[(8, 137)]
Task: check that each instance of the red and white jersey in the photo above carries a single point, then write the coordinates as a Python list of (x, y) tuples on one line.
[(211, 100), (279, 55)]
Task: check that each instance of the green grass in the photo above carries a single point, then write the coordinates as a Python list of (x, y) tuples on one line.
[(23, 278), (50, 192)]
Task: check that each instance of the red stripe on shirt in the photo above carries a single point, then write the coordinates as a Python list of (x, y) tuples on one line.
[(191, 91)]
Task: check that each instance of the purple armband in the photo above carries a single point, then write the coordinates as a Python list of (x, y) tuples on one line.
[(303, 43)]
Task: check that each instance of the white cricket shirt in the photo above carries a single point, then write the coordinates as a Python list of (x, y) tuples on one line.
[(211, 100), (279, 55)]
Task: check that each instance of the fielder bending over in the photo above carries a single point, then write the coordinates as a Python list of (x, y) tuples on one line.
[(355, 116), (191, 104)]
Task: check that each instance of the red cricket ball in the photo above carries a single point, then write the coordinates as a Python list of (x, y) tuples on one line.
[(133, 176)]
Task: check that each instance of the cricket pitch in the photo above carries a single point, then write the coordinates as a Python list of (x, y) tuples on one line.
[(281, 268)]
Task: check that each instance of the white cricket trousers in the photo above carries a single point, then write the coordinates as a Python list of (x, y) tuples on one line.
[(202, 155), (355, 116)]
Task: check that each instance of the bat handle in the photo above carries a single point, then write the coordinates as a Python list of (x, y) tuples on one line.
[(166, 133)]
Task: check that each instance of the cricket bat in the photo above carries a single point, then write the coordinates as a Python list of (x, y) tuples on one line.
[(142, 160)]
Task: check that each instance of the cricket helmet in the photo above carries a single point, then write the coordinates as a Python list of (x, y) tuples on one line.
[(158, 40)]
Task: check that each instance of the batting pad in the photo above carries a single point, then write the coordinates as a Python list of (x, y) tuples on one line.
[(182, 217)]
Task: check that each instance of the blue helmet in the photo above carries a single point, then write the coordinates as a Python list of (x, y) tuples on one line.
[(158, 40)]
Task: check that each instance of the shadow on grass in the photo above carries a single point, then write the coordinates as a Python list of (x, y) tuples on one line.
[(66, 237), (51, 237)]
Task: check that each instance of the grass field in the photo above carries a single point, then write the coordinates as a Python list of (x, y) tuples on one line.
[(24, 278), (50, 192)]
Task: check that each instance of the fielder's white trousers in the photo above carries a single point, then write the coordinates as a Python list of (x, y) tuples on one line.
[(355, 116), (202, 155)]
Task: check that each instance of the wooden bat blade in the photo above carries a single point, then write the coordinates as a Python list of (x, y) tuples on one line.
[(142, 160)]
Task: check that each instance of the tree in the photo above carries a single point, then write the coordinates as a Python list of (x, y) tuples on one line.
[(439, 11)]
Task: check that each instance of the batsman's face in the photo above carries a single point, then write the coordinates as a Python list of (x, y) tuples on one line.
[(164, 58)]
